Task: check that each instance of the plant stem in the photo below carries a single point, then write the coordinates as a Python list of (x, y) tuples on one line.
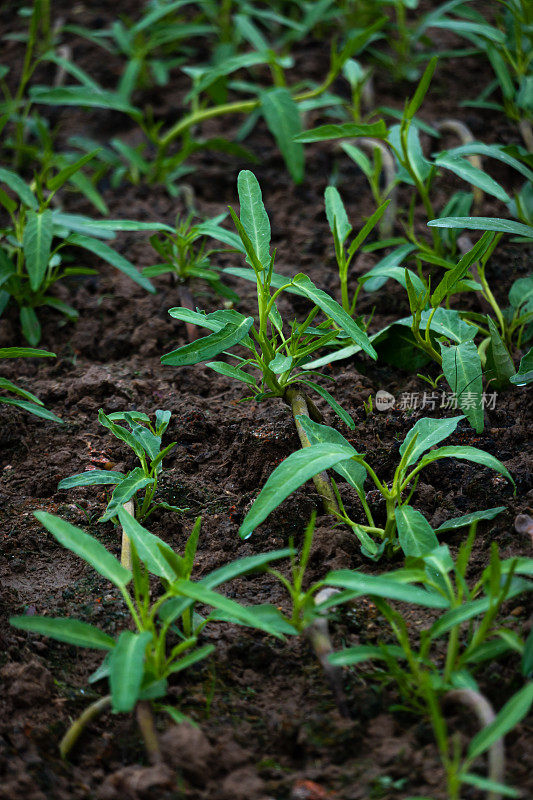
[(76, 729), (186, 300), (318, 634), (483, 710), (145, 721), (125, 552), (298, 404)]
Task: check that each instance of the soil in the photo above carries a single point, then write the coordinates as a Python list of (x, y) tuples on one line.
[(268, 726)]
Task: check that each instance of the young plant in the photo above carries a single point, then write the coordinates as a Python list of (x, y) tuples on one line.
[(276, 352), (138, 664), (427, 681), (145, 441), (185, 256), (24, 399), (406, 528)]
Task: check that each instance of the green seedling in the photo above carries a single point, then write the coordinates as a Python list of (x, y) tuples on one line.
[(145, 441), (185, 256), (418, 172), (341, 229), (276, 352), (34, 246), (508, 48), (24, 399), (138, 664), (16, 107), (405, 528), (468, 625)]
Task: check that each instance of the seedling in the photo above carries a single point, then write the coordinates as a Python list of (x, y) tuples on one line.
[(139, 663), (24, 399), (406, 528), (32, 247), (186, 257), (145, 441), (276, 357), (426, 682)]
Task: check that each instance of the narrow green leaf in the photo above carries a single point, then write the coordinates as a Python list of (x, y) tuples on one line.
[(125, 490), (127, 669), (253, 216), (487, 785), (428, 432), (474, 176), (21, 189), (71, 631), (109, 255), (85, 546), (351, 656), (510, 715), (462, 369), (92, 477), (353, 472), (36, 242), (415, 534), (32, 408), (484, 224), (384, 586), (232, 372), (465, 453), (336, 213), (25, 352), (150, 548), (499, 366), (333, 310), (346, 130), (468, 519), (421, 90), (294, 471), (209, 346), (330, 400), (283, 119), (525, 371)]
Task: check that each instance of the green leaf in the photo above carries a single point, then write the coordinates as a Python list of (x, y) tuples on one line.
[(525, 371), (346, 130), (209, 346), (353, 472), (127, 669), (150, 548), (428, 432), (243, 566), (192, 658), (492, 151), (351, 656), (36, 242), (86, 547), (71, 631), (92, 477), (21, 189), (202, 594), (121, 433), (510, 715), (253, 216), (468, 519), (336, 213), (32, 408), (109, 255), (288, 476), (25, 352), (82, 96), (67, 172), (30, 325), (487, 785), (499, 366), (474, 176), (125, 490), (330, 400), (384, 586), (462, 369), (465, 453), (421, 90), (283, 120), (415, 534), (484, 224), (232, 372), (334, 311)]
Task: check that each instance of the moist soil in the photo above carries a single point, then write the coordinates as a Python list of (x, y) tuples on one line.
[(268, 725)]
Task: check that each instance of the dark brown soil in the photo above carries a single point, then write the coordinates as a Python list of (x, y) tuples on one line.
[(268, 724)]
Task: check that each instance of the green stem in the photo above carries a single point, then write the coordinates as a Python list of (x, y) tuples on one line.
[(76, 729), (323, 486)]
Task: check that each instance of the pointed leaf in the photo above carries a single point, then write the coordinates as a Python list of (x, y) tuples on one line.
[(510, 715), (36, 242), (71, 631), (428, 432), (127, 669), (209, 346), (465, 453), (92, 477), (85, 546), (109, 255), (462, 369), (283, 119), (253, 216), (415, 534)]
